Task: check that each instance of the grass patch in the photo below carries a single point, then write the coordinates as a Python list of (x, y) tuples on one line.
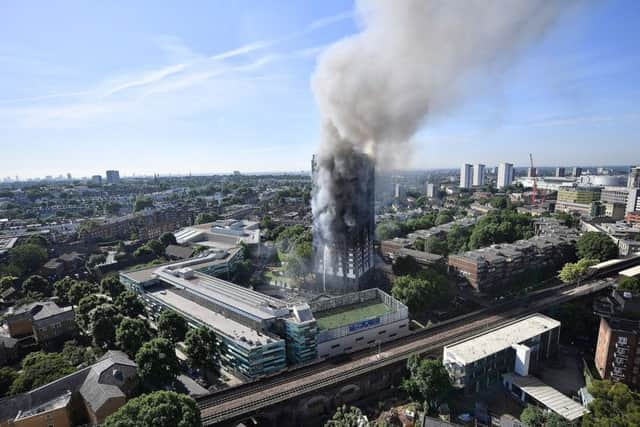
[(350, 314)]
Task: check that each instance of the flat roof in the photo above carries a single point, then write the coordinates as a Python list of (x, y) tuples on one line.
[(610, 262), (486, 344), (631, 272), (235, 297), (224, 325), (347, 315), (548, 396)]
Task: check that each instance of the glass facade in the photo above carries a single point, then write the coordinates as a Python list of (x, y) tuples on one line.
[(302, 341)]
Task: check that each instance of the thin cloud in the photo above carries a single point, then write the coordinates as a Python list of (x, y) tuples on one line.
[(147, 79), (242, 50), (329, 20)]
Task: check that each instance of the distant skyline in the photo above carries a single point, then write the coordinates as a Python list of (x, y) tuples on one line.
[(215, 86)]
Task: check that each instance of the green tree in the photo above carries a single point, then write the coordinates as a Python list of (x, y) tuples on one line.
[(142, 203), (77, 355), (160, 408), (388, 230), (629, 284), (131, 334), (594, 245), (172, 326), (419, 293), (103, 322), (532, 416), (40, 368), (168, 239), (574, 271), (613, 405), (443, 218), (129, 304), (37, 287), (28, 257), (429, 379), (143, 251), (7, 377), (201, 348), (8, 281), (406, 265), (204, 218), (85, 306), (79, 289), (111, 286), (61, 289), (157, 363), (156, 246), (346, 417), (436, 245)]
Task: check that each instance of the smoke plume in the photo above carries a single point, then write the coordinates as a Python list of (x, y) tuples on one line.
[(412, 58)]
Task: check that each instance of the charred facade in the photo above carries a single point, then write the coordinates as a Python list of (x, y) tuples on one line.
[(344, 225)]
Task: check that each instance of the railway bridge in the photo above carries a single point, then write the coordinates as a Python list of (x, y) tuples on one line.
[(309, 395)]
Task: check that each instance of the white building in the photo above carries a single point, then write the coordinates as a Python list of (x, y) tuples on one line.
[(465, 176), (505, 175), (478, 175), (431, 190), (634, 178)]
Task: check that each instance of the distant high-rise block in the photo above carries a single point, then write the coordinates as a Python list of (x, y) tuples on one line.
[(465, 176), (113, 177), (577, 171), (505, 175), (478, 175), (96, 179), (634, 178), (532, 172), (431, 190), (559, 172)]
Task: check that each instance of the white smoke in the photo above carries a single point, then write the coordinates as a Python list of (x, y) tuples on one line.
[(412, 58)]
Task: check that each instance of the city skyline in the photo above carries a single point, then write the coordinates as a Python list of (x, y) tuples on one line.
[(230, 91)]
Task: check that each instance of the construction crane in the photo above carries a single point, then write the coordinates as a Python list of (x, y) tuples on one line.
[(534, 192)]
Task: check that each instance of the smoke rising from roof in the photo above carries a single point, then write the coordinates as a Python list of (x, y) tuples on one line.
[(412, 59)]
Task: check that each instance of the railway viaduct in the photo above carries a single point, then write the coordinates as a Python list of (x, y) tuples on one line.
[(307, 397)]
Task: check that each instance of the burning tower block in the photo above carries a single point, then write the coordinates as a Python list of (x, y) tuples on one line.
[(344, 220)]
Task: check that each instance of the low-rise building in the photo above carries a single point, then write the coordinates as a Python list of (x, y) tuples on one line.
[(477, 362), (46, 321), (85, 397)]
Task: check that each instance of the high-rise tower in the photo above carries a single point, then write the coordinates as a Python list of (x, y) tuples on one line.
[(344, 248)]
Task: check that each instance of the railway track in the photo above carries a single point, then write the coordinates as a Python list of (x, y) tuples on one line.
[(251, 397)]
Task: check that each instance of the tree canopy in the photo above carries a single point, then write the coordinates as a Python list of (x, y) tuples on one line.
[(160, 408), (7, 377), (629, 284), (111, 286), (573, 271), (131, 334), (172, 326), (346, 416), (428, 380), (40, 368), (613, 405), (168, 239), (157, 363), (599, 246), (37, 287), (420, 292), (27, 258), (129, 304), (201, 348)]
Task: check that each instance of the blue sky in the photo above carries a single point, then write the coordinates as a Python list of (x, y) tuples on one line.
[(215, 86)]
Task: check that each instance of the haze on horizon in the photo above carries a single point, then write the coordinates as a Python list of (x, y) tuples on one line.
[(216, 87)]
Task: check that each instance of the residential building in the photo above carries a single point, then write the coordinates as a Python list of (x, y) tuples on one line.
[(113, 177), (634, 178), (345, 260), (577, 171), (618, 349), (633, 201), (466, 178), (85, 397), (559, 172), (96, 179), (498, 265), (46, 321), (431, 190), (505, 175), (478, 175), (632, 217), (532, 172), (477, 362)]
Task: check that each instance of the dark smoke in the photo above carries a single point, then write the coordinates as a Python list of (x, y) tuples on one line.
[(412, 58)]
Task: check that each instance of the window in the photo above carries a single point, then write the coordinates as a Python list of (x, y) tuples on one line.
[(371, 342), (335, 346), (392, 335), (382, 332), (402, 326), (359, 339)]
